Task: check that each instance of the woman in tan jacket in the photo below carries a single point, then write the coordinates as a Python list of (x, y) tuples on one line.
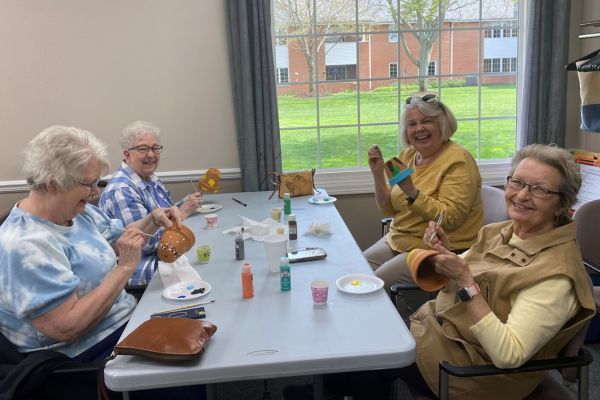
[(519, 293)]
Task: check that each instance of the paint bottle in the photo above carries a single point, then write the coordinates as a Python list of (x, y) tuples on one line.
[(285, 274), (292, 227), (287, 204), (247, 288), (239, 246)]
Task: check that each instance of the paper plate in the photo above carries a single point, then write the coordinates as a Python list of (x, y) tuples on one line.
[(359, 283), (187, 290), (209, 208), (322, 199)]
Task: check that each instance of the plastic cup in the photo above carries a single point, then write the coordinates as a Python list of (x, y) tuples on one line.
[(211, 221), (276, 213), (319, 290), (203, 253), (275, 248)]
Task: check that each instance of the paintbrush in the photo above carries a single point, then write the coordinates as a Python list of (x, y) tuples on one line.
[(438, 223), (186, 307)]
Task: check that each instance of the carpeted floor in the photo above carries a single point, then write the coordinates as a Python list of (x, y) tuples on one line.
[(254, 390)]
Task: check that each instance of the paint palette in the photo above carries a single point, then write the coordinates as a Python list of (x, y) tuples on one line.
[(187, 290)]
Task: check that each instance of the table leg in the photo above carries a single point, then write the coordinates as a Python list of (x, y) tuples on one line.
[(211, 391), (318, 387)]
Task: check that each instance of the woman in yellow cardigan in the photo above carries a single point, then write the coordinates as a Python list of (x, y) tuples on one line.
[(445, 181)]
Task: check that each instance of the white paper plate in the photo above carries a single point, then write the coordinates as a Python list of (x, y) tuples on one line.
[(209, 208), (320, 199), (359, 283), (187, 290)]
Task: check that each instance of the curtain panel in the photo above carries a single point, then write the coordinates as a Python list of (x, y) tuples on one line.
[(543, 109), (254, 91)]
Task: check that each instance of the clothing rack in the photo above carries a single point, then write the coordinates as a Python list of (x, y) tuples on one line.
[(588, 24)]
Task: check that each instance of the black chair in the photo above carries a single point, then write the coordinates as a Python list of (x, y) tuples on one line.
[(44, 374), (572, 358)]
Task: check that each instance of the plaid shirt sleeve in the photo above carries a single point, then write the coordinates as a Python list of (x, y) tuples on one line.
[(125, 204)]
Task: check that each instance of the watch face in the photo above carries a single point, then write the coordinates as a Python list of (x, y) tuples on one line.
[(463, 294)]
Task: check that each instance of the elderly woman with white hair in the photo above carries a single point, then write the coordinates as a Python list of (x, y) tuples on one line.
[(446, 182), (63, 262), (135, 190)]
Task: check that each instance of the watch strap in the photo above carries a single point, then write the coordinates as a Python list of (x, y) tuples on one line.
[(467, 293)]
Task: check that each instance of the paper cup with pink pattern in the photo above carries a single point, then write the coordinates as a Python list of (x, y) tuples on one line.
[(319, 290)]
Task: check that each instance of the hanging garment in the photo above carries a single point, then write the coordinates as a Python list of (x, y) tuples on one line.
[(588, 71)]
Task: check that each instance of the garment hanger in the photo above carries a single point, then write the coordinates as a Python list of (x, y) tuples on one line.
[(572, 66), (593, 64)]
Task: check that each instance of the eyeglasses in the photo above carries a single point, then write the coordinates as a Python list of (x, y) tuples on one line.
[(426, 98), (535, 190), (92, 185), (142, 148)]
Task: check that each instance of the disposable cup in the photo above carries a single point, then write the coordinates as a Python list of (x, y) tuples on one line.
[(211, 221), (275, 248), (276, 213), (319, 290), (203, 253)]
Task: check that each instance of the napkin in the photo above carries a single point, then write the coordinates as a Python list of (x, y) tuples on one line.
[(179, 271), (319, 229), (254, 229)]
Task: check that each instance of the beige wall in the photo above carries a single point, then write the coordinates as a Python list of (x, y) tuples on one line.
[(102, 64), (581, 11)]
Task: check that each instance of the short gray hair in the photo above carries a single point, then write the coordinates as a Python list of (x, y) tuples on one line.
[(61, 154), (135, 129), (564, 162), (433, 108)]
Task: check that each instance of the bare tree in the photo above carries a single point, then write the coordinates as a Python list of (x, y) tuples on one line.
[(313, 23)]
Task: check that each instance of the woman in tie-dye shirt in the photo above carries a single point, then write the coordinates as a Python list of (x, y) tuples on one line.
[(61, 277)]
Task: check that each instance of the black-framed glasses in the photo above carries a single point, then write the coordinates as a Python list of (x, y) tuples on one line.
[(427, 98), (142, 148), (535, 190), (92, 185)]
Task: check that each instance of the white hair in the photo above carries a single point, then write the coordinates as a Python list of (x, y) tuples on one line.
[(60, 154), (136, 129), (435, 109)]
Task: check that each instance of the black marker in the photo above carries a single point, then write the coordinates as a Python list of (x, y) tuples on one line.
[(238, 201)]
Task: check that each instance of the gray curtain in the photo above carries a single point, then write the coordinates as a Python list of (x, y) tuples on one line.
[(254, 94), (543, 111)]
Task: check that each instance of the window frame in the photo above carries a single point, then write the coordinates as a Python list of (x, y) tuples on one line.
[(359, 179)]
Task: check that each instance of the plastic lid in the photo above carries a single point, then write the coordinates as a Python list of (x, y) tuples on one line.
[(247, 267), (292, 217), (284, 261), (286, 195)]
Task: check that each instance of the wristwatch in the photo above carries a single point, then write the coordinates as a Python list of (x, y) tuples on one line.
[(467, 293)]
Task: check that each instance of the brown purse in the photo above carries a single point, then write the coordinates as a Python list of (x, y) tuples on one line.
[(162, 339), (300, 183)]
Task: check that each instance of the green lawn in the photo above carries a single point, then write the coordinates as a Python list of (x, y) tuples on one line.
[(339, 147)]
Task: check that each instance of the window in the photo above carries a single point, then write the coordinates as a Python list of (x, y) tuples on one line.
[(393, 70), (282, 75), (393, 36), (340, 72), (345, 94), (431, 68)]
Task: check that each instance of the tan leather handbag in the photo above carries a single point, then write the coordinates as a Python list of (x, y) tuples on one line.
[(300, 183)]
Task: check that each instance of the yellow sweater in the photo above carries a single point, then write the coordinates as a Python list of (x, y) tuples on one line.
[(450, 185)]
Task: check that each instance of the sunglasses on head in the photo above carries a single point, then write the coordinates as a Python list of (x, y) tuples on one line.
[(426, 98)]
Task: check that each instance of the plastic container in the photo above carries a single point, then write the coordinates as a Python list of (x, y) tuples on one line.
[(287, 204), (239, 247), (285, 274), (247, 288), (292, 227)]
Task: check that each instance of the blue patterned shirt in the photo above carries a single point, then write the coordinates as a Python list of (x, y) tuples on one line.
[(130, 198), (43, 264)]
